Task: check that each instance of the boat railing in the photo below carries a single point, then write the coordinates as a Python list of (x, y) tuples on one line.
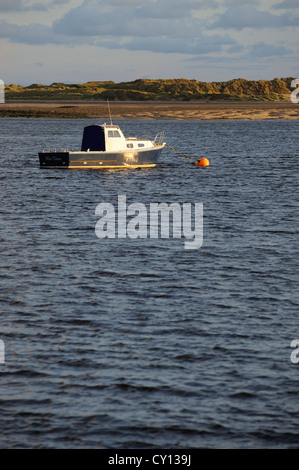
[(111, 126), (159, 137), (48, 150), (157, 140)]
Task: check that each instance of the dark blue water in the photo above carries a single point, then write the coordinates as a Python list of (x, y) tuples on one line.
[(140, 343)]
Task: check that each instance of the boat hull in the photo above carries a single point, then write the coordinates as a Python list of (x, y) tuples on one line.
[(100, 160)]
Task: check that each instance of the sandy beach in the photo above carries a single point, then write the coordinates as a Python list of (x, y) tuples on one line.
[(194, 110)]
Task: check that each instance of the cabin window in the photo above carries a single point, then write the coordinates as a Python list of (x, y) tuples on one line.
[(113, 134), (130, 146), (140, 145)]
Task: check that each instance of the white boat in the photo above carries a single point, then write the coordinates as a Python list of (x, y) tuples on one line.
[(105, 146)]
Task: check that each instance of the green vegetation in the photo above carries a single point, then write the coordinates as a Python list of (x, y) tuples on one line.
[(162, 90)]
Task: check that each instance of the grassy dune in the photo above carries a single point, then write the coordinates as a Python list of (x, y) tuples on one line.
[(155, 90)]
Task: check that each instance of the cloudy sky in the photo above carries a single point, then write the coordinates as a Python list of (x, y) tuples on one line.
[(76, 41)]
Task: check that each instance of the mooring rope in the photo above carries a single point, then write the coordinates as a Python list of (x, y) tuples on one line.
[(180, 153)]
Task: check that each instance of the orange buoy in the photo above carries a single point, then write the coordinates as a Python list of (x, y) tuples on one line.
[(203, 162)]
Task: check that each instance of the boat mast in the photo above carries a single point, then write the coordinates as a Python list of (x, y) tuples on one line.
[(109, 112)]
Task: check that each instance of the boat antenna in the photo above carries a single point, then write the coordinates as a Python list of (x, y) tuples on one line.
[(109, 111)]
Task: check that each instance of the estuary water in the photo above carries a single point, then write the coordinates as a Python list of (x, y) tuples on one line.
[(141, 343)]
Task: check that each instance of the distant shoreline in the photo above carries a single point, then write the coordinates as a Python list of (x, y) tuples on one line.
[(191, 110)]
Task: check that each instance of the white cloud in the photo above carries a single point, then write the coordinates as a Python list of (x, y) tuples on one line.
[(286, 4), (26, 34), (20, 5), (268, 50), (175, 9), (210, 31), (10, 5), (148, 19), (236, 3), (7, 6), (127, 27), (248, 16), (203, 45)]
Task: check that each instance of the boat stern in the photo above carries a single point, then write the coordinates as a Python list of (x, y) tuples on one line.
[(54, 159)]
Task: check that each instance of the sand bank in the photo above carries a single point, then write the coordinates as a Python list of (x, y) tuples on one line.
[(196, 110)]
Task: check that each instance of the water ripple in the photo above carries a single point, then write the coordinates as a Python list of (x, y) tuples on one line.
[(141, 343)]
